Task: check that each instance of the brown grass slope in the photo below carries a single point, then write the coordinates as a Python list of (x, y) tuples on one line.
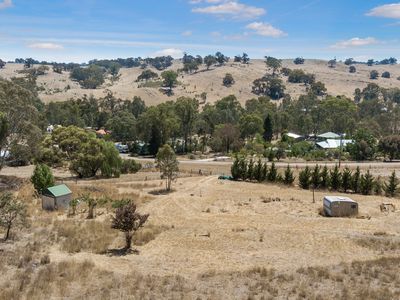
[(58, 87)]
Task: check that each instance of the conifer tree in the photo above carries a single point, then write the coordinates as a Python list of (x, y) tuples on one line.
[(264, 173), (305, 178), (391, 188), (316, 177), (250, 170), (243, 168), (288, 177), (273, 173), (258, 171), (367, 183), (346, 179), (356, 181), (336, 178), (378, 186), (235, 169), (324, 178)]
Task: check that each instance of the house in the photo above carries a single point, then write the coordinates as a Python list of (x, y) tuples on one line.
[(333, 144), (335, 206), (56, 197)]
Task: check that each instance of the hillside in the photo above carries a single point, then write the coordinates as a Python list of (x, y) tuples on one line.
[(58, 87)]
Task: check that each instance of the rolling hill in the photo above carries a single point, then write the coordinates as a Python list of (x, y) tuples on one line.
[(59, 87)]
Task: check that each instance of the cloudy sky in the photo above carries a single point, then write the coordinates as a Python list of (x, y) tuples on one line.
[(79, 30)]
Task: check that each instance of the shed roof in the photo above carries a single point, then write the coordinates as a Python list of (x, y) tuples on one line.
[(293, 135), (58, 190), (333, 144), (338, 199), (329, 135)]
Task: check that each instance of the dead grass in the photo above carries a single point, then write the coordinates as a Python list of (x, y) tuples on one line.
[(75, 236)]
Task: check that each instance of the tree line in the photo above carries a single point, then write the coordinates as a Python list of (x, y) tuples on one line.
[(316, 178)]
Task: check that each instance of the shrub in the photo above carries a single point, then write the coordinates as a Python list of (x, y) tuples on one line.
[(299, 61), (386, 74), (305, 178), (130, 166), (352, 69), (228, 80), (373, 74)]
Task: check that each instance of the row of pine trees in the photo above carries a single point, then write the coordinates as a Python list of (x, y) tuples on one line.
[(316, 178)]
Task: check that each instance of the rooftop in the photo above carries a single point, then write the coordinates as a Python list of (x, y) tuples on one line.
[(339, 199), (58, 190)]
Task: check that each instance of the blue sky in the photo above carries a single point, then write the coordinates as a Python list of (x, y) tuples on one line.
[(79, 30)]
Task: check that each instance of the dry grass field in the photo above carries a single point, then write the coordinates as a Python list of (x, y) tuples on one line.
[(58, 87), (208, 239)]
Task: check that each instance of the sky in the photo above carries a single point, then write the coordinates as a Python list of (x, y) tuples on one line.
[(80, 30)]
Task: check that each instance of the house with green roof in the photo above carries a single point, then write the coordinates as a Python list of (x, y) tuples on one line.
[(56, 197)]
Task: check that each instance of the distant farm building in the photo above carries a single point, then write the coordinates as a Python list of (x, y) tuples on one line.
[(294, 136), (335, 206), (56, 197), (328, 135), (333, 144)]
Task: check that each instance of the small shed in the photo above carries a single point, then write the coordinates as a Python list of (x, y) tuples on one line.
[(335, 206), (56, 197)]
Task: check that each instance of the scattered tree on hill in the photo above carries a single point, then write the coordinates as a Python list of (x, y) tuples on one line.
[(237, 58), (220, 58), (228, 80), (2, 64), (370, 62), (305, 178), (273, 63), (170, 79), (371, 91), (128, 220), (269, 86), (373, 74), (12, 213), (349, 61), (245, 58), (167, 164), (90, 77), (58, 68), (210, 60), (332, 63), (318, 88), (391, 188), (42, 178), (299, 61), (386, 74), (147, 75), (352, 69)]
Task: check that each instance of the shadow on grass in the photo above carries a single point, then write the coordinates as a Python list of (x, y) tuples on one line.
[(160, 192), (122, 252)]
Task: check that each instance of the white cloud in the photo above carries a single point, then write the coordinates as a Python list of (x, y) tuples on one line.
[(46, 46), (265, 29), (187, 33), (174, 52), (355, 42), (386, 11), (233, 9), (5, 4)]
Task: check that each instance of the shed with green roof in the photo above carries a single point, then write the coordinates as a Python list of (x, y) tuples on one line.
[(56, 197)]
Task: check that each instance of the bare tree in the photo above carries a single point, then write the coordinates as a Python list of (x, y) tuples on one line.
[(128, 221)]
